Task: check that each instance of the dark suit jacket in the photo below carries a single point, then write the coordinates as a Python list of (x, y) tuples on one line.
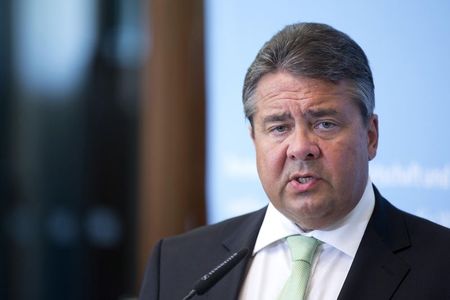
[(400, 257)]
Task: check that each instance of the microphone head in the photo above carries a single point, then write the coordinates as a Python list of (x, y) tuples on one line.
[(211, 278)]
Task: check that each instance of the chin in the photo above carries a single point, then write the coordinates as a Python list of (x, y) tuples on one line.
[(313, 213)]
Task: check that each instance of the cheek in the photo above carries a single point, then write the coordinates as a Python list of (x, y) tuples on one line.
[(346, 157), (270, 160)]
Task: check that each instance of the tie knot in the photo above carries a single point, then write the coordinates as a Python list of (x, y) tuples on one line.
[(302, 247)]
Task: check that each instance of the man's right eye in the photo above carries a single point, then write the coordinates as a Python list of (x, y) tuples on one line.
[(279, 129)]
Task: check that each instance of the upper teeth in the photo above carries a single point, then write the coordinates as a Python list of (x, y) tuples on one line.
[(303, 179)]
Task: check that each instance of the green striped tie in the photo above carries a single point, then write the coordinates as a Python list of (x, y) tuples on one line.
[(302, 250)]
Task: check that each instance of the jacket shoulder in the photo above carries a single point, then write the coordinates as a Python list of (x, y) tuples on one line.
[(218, 230), (426, 232)]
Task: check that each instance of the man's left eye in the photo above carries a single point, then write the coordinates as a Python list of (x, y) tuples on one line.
[(325, 125)]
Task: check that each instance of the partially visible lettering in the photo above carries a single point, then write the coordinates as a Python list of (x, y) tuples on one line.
[(410, 175)]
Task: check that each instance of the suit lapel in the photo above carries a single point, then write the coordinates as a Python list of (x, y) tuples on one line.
[(376, 271), (242, 236)]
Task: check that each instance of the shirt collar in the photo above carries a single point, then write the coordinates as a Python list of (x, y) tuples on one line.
[(345, 235)]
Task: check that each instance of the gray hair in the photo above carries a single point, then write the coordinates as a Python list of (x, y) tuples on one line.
[(316, 51)]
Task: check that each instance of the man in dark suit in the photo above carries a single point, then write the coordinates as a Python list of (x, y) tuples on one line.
[(309, 97)]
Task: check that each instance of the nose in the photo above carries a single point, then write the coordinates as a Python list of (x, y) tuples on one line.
[(302, 146)]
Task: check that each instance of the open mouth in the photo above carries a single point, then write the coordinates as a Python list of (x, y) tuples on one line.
[(304, 180)]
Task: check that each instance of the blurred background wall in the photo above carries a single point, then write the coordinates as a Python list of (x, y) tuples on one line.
[(101, 116)]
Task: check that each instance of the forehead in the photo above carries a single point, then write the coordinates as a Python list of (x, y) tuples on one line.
[(276, 90)]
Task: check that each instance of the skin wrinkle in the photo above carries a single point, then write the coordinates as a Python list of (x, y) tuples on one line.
[(290, 138)]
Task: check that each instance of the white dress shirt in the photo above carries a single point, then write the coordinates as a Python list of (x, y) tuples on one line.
[(270, 264)]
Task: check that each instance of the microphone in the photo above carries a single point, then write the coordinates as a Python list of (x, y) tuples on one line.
[(212, 277)]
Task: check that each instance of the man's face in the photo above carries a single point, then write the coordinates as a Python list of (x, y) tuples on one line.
[(312, 147)]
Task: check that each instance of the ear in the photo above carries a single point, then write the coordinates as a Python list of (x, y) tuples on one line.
[(372, 134)]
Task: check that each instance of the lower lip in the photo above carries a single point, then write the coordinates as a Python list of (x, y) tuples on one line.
[(304, 187)]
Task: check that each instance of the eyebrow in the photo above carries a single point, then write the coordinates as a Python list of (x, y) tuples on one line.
[(312, 113), (277, 118), (321, 112)]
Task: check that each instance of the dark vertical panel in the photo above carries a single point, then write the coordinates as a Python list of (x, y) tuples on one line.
[(6, 185), (110, 165)]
